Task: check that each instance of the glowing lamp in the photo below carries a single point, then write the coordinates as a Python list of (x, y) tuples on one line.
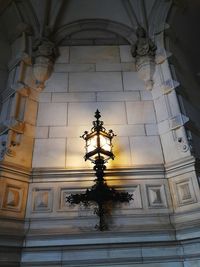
[(99, 151), (98, 141)]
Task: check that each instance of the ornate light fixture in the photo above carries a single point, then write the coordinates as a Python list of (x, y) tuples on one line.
[(99, 151)]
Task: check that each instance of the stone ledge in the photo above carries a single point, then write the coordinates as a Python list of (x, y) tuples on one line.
[(155, 171), (123, 254)]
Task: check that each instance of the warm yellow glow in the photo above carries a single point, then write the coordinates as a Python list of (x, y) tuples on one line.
[(105, 143), (91, 144)]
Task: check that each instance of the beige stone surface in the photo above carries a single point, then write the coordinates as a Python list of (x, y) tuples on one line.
[(13, 198), (172, 149), (131, 82), (73, 97), (121, 150), (45, 97), (125, 53), (146, 150), (126, 66), (151, 129), (127, 130), (163, 127), (34, 95), (140, 112), (63, 52), (75, 154), (95, 81), (41, 132), (161, 108), (146, 95), (29, 130), (74, 67), (118, 96), (76, 130), (94, 54), (58, 82), (69, 131), (173, 102), (83, 113), (169, 148), (22, 153), (31, 111), (49, 153), (52, 114)]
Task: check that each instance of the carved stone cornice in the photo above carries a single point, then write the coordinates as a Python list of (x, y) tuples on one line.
[(14, 171), (139, 172)]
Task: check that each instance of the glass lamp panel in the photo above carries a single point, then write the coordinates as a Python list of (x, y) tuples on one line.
[(105, 143), (91, 144)]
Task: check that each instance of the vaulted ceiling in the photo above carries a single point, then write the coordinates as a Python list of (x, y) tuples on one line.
[(75, 22), (65, 19)]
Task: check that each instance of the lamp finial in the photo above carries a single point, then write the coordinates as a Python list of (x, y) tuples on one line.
[(97, 114)]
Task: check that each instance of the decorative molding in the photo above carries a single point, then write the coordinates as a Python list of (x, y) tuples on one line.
[(15, 172), (178, 121), (156, 196), (67, 175), (169, 85), (13, 198), (42, 199), (90, 24), (162, 55), (63, 204), (185, 192), (12, 129)]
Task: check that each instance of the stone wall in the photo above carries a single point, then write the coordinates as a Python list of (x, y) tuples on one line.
[(84, 79)]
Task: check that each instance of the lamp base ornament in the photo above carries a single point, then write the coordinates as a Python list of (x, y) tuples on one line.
[(102, 195)]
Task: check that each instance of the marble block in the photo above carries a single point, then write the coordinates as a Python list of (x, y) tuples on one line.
[(52, 114), (41, 132), (146, 150), (140, 112), (121, 150), (95, 81), (83, 113), (94, 54), (161, 108), (45, 97), (125, 53), (75, 154), (63, 52), (58, 82), (73, 97), (151, 129), (49, 153), (118, 96), (132, 82)]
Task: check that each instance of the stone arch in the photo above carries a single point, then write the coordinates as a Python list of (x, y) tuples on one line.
[(125, 32)]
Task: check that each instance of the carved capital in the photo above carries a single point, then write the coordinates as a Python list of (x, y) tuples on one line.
[(23, 28), (44, 55), (144, 51)]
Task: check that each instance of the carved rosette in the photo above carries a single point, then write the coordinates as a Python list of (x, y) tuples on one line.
[(144, 53)]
